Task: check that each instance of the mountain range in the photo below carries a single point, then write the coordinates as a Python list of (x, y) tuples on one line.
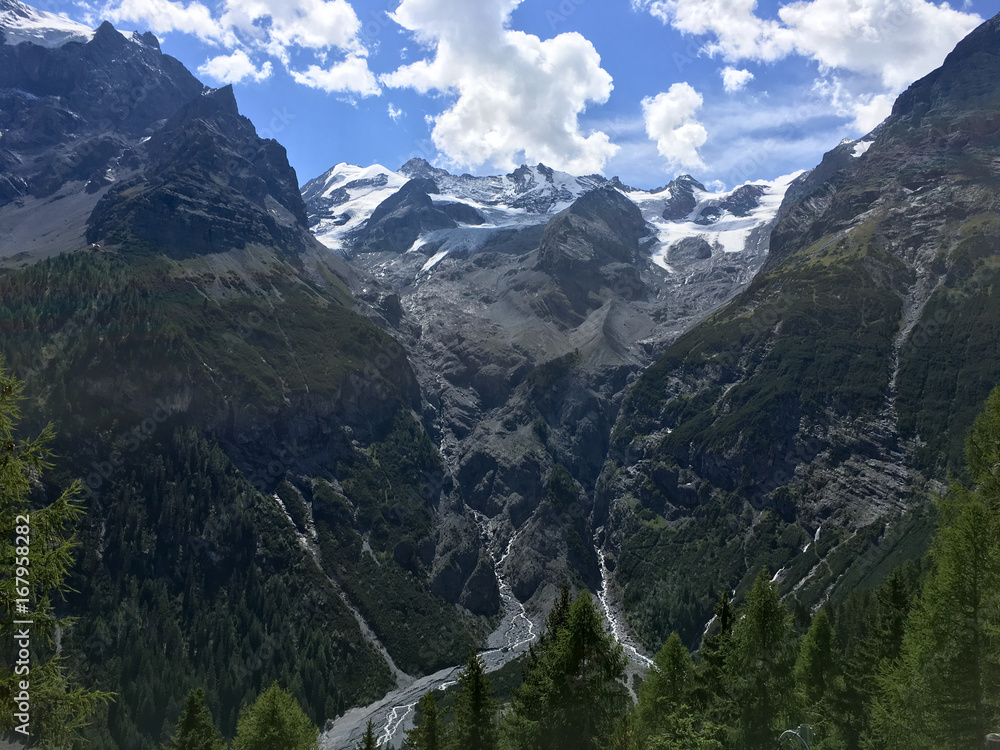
[(338, 436)]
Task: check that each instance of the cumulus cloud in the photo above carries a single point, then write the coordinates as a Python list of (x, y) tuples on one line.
[(897, 40), (351, 76), (884, 45), (234, 68), (395, 112), (164, 16), (283, 24), (515, 96), (263, 29), (867, 110), (738, 33), (670, 122), (734, 80)]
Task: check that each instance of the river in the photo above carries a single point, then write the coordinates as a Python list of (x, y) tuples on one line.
[(393, 714)]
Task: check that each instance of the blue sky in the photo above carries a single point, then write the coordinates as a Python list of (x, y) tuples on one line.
[(726, 90)]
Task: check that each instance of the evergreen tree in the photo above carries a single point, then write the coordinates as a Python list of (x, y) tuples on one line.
[(663, 716), (368, 741), (818, 681), (475, 711), (426, 734), (572, 696), (37, 545), (667, 685), (869, 630), (275, 721), (710, 684), (195, 728), (590, 698), (944, 690), (759, 667), (816, 668)]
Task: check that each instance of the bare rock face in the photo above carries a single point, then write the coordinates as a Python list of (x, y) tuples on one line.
[(682, 200), (689, 249), (601, 227), (209, 185), (76, 111)]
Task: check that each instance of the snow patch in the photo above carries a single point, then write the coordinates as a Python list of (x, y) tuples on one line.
[(861, 147), (23, 24), (435, 259)]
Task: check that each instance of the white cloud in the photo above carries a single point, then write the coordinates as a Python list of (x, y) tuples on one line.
[(883, 45), (395, 112), (670, 121), (897, 40), (351, 76), (269, 28), (734, 80), (164, 16), (866, 109), (515, 95), (312, 24), (739, 34), (234, 68)]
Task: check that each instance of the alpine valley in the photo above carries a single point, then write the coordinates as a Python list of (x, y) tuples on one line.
[(340, 436)]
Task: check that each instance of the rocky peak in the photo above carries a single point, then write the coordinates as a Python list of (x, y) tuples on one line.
[(213, 105), (682, 200), (602, 226), (210, 185), (743, 200), (413, 196), (399, 221), (962, 91), (418, 168)]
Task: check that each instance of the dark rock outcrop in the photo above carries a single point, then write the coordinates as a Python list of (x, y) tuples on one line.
[(401, 218), (210, 185), (681, 201)]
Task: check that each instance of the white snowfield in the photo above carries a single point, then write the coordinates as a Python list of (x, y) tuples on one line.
[(21, 23), (861, 147), (526, 197), (728, 232)]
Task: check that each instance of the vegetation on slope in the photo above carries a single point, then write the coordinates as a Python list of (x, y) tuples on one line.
[(187, 396)]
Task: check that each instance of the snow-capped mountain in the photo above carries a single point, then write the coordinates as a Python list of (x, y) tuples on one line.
[(443, 213), (728, 220), (21, 23)]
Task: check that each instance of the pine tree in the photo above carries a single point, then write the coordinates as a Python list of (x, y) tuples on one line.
[(275, 721), (572, 696), (944, 690), (710, 686), (816, 668), (368, 741), (667, 685), (590, 698), (663, 716), (195, 728), (37, 547), (759, 668), (426, 734), (475, 711), (819, 682)]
